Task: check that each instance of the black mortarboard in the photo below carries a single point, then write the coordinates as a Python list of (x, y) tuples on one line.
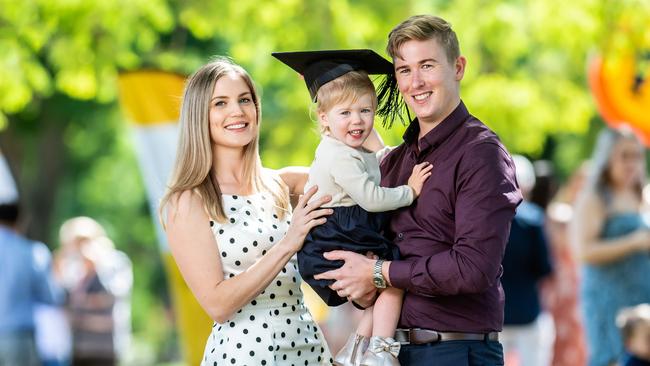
[(320, 67)]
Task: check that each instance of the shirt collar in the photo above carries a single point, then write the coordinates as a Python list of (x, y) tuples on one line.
[(438, 134)]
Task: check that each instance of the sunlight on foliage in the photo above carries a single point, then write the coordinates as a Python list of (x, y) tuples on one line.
[(59, 62)]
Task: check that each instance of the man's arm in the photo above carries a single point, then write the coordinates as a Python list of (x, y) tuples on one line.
[(487, 195)]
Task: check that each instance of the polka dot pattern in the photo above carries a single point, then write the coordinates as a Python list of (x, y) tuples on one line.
[(267, 331)]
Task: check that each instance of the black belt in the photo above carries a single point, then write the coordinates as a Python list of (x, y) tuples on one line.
[(424, 336)]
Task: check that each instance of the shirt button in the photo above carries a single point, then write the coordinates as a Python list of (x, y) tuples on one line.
[(400, 236)]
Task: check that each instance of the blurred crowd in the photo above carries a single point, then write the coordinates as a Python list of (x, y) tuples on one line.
[(71, 307), (577, 263)]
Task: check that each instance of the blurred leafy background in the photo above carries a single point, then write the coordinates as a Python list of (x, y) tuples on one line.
[(66, 139)]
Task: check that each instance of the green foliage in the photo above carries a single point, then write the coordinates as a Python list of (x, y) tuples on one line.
[(525, 70), (59, 61)]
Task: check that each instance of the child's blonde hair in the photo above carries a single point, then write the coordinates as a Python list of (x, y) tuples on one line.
[(346, 88)]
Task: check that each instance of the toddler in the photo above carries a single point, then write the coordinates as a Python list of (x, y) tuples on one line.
[(346, 102)]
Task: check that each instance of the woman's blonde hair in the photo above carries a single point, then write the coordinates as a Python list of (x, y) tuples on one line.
[(347, 88), (194, 164)]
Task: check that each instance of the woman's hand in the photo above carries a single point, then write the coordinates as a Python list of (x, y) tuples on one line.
[(305, 217)]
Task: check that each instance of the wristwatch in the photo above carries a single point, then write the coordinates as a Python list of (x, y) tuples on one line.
[(377, 277)]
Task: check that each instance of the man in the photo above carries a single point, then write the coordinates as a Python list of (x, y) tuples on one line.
[(25, 279), (453, 237)]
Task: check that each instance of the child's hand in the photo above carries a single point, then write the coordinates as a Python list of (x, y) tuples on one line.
[(420, 173)]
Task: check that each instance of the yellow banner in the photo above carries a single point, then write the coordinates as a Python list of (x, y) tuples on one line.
[(151, 102)]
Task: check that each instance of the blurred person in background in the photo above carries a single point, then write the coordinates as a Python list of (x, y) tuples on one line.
[(98, 279), (527, 331), (612, 241), (560, 289), (25, 279), (634, 323), (546, 185)]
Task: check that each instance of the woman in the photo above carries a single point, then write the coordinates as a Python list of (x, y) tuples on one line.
[(612, 241), (229, 228)]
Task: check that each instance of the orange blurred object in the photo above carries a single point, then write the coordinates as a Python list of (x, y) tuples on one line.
[(621, 92)]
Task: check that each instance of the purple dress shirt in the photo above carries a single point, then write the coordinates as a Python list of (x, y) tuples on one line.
[(452, 238)]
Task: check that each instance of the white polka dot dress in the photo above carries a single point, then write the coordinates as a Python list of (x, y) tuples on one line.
[(275, 328)]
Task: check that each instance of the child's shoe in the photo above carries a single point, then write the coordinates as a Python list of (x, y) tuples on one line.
[(381, 352), (351, 353)]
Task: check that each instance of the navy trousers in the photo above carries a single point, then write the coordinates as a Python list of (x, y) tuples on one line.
[(452, 353), (348, 228)]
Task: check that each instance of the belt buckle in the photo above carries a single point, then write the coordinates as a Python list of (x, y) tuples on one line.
[(408, 336), (404, 340)]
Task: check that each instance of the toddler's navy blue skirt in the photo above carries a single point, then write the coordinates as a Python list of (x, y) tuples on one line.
[(348, 228)]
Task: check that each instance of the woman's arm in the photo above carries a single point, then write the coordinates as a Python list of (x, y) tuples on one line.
[(197, 254), (295, 177), (585, 230), (374, 142)]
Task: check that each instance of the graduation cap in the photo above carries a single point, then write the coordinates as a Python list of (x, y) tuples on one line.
[(321, 67)]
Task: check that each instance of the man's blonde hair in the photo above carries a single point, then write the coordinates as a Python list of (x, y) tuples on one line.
[(422, 28), (347, 88)]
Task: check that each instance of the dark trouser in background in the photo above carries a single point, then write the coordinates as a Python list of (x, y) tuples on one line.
[(452, 353), (93, 362)]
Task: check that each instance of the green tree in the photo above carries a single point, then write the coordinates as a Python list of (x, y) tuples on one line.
[(66, 140)]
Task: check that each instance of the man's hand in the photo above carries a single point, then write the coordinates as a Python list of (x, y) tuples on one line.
[(353, 279)]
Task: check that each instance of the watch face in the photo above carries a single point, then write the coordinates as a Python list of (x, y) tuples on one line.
[(377, 278)]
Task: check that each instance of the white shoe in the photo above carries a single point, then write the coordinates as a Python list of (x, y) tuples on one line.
[(351, 353), (381, 352)]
